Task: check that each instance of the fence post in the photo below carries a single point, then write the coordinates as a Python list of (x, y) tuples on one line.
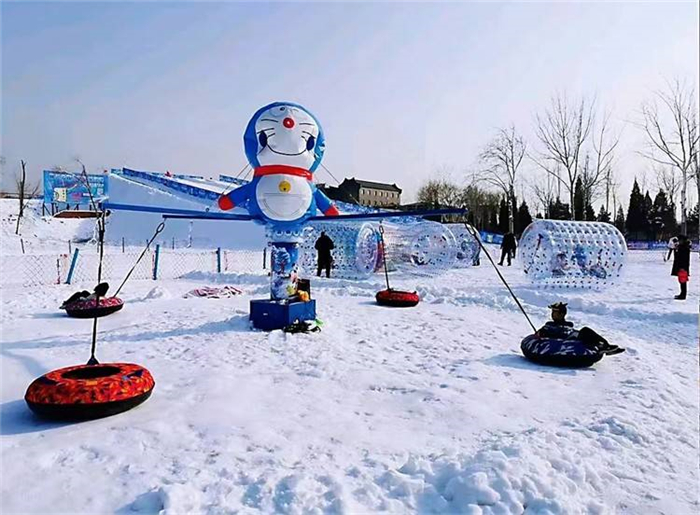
[(218, 260), (155, 263), (73, 262), (21, 241), (122, 244), (264, 258), (70, 248)]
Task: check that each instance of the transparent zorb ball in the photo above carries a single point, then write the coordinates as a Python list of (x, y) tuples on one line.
[(356, 252), (570, 254), (425, 248)]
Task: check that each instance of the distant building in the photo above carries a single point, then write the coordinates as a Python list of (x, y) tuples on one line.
[(364, 193)]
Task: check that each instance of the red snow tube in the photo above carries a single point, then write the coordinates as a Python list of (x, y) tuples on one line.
[(397, 298), (89, 391), (88, 308)]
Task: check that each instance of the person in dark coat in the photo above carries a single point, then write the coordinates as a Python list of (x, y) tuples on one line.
[(323, 246), (99, 291), (559, 327), (681, 265), (507, 247)]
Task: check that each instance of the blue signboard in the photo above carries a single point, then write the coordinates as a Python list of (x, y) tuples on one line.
[(72, 188)]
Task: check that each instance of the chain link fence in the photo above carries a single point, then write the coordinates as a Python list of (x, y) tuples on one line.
[(157, 263)]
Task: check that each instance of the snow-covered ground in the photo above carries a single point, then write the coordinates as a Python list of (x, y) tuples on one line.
[(428, 410)]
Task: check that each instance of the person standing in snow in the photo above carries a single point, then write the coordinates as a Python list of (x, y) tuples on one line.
[(508, 246), (323, 246), (681, 265), (561, 328)]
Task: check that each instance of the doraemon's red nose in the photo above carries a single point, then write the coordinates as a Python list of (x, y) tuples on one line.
[(288, 122)]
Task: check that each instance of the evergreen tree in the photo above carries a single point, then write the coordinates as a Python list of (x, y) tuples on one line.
[(647, 209), (523, 219), (636, 218), (559, 211), (579, 201), (589, 213), (663, 217), (503, 224), (604, 216), (620, 220)]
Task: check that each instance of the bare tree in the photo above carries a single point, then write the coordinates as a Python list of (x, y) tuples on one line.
[(601, 174), (24, 192), (501, 159), (440, 192), (670, 125), (563, 130), (545, 191), (667, 179)]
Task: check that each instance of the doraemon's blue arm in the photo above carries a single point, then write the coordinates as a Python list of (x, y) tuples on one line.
[(324, 203), (238, 197)]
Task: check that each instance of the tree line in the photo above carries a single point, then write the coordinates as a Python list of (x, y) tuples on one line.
[(571, 166)]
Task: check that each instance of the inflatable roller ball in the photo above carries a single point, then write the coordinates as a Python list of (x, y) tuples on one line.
[(397, 298), (88, 308), (89, 391), (555, 352)]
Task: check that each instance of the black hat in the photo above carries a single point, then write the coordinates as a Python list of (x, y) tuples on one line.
[(559, 306)]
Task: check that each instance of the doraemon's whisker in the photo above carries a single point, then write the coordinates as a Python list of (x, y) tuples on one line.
[(266, 129), (269, 120), (307, 132), (307, 123)]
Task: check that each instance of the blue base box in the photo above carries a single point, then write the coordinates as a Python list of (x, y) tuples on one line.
[(269, 315)]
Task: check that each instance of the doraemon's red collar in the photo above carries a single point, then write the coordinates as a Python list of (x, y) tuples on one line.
[(282, 169)]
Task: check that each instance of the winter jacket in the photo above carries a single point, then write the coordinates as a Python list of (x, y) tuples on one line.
[(681, 258), (324, 245), (553, 329), (508, 241)]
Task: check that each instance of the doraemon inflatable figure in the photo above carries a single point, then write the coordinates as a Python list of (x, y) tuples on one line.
[(284, 145)]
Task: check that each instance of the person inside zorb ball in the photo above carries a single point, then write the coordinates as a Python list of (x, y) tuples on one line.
[(572, 254)]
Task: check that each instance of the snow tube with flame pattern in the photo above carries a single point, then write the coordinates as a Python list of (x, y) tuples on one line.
[(89, 391), (559, 352), (88, 309), (397, 298)]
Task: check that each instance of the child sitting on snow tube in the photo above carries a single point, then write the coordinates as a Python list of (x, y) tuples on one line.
[(83, 304), (557, 343), (99, 291)]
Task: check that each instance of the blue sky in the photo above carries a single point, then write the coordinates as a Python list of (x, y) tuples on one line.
[(401, 89)]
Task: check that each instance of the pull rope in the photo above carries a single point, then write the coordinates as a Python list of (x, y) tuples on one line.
[(476, 236), (338, 183), (159, 229), (101, 245), (386, 270), (232, 185)]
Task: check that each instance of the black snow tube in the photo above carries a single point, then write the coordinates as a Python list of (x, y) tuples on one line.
[(556, 352), (397, 298), (88, 308)]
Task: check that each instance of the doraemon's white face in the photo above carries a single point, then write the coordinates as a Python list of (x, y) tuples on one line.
[(287, 135)]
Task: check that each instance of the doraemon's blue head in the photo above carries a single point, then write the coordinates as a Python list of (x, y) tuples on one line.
[(283, 133)]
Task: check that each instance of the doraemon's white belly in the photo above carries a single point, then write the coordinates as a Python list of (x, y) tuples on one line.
[(283, 198)]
